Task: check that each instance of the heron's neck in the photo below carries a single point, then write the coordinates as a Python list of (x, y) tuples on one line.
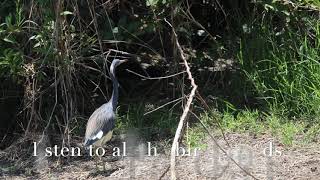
[(114, 97)]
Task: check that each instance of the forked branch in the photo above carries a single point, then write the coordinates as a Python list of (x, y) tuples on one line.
[(185, 110)]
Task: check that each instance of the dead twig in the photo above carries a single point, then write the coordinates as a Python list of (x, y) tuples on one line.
[(163, 106), (186, 108), (164, 173), (154, 78)]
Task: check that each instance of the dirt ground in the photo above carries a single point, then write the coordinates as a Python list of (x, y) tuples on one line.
[(262, 156)]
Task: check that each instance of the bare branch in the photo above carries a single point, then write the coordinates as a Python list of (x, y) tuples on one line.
[(154, 78), (163, 105), (186, 108)]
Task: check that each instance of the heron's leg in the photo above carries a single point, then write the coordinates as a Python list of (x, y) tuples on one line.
[(104, 165), (95, 161), (100, 162)]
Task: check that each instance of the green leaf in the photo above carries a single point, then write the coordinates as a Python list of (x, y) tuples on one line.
[(9, 39), (4, 63), (8, 20), (35, 37), (268, 6), (37, 44), (115, 30), (152, 2), (64, 13)]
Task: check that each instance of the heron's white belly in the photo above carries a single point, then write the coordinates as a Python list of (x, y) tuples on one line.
[(104, 139)]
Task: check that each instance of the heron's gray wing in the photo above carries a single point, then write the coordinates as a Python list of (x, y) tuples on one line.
[(99, 124)]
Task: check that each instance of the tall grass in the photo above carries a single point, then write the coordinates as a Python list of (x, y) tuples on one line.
[(284, 68)]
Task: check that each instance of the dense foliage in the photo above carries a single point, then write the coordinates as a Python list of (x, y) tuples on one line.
[(244, 55)]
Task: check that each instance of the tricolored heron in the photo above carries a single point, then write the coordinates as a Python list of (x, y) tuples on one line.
[(102, 121)]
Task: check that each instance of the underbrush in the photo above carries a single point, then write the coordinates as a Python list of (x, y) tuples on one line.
[(278, 60), (59, 53), (284, 69), (158, 125)]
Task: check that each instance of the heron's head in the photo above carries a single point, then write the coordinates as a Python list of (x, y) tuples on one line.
[(117, 62)]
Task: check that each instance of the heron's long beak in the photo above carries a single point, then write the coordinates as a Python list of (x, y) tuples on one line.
[(122, 61)]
